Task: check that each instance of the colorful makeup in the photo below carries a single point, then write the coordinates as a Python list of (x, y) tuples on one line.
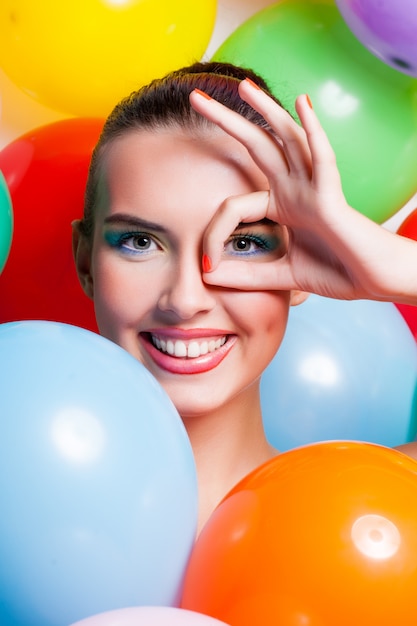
[(135, 243), (256, 243)]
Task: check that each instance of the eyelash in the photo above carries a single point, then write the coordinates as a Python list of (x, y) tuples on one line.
[(265, 244), (120, 242)]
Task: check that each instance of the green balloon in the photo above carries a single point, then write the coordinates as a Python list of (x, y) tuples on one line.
[(368, 109), (6, 222)]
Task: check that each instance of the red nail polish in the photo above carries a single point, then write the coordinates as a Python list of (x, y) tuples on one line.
[(251, 82), (206, 262), (203, 93), (310, 104)]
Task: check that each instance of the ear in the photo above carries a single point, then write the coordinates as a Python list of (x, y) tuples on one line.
[(298, 297), (81, 249)]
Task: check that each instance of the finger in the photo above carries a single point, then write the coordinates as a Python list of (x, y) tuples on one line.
[(247, 276), (292, 135), (261, 145), (324, 167), (251, 207)]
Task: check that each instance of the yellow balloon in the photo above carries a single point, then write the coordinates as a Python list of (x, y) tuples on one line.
[(82, 56)]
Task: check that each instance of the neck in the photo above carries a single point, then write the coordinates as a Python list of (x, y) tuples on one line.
[(228, 443)]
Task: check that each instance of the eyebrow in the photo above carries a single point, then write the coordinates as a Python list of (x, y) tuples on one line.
[(122, 218), (263, 222)]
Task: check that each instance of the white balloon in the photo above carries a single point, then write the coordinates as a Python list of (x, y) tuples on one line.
[(150, 616)]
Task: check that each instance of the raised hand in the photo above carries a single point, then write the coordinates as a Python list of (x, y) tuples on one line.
[(333, 249)]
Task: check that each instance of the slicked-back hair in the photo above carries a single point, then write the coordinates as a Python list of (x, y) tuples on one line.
[(164, 103)]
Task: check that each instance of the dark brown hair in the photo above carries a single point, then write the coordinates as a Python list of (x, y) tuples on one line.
[(165, 103)]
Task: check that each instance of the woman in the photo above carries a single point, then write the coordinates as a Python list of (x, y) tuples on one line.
[(208, 213)]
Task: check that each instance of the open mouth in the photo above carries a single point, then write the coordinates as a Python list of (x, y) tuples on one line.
[(191, 349)]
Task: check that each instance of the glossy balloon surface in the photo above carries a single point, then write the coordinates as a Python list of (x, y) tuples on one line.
[(387, 28), (320, 535), (6, 222), (98, 489), (46, 172), (345, 370), (150, 616), (408, 228), (83, 56)]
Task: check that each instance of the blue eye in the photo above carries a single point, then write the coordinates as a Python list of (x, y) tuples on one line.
[(135, 243), (247, 244)]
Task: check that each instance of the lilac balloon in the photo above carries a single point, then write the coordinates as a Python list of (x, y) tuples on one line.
[(388, 28), (150, 616)]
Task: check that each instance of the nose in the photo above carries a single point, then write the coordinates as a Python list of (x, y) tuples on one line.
[(185, 294)]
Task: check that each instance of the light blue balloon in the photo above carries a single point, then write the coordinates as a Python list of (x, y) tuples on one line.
[(98, 487), (345, 370)]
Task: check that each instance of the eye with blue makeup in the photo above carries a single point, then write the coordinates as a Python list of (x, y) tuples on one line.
[(132, 242), (262, 242), (257, 245)]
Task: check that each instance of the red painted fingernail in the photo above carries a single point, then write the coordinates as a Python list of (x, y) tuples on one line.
[(310, 104), (206, 262), (203, 93), (251, 82)]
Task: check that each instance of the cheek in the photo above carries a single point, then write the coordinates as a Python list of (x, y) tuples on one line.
[(117, 297), (263, 315)]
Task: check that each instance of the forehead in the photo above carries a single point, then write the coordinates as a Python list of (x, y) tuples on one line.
[(146, 157), (174, 178)]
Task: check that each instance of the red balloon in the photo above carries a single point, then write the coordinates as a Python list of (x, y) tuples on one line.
[(46, 172), (323, 535), (408, 228)]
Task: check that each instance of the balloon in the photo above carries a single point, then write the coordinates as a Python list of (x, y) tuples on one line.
[(6, 222), (321, 535), (386, 28), (408, 228), (46, 171), (20, 112), (98, 488), (409, 314), (150, 616), (345, 370), (367, 108), (83, 56)]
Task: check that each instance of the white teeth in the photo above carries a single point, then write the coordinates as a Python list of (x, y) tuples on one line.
[(192, 350), (180, 349)]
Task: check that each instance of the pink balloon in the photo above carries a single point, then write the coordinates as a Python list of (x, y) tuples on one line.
[(150, 616), (387, 28)]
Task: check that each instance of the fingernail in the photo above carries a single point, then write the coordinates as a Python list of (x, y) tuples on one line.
[(203, 93), (254, 85), (310, 104), (206, 262)]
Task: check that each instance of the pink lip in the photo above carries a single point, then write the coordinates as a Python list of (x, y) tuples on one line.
[(188, 333), (176, 365)]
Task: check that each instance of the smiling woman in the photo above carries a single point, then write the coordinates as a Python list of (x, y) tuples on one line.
[(208, 213), (159, 175)]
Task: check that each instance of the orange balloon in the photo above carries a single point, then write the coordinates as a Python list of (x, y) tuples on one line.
[(322, 535)]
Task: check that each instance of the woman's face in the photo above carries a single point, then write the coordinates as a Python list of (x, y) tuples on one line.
[(158, 192)]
